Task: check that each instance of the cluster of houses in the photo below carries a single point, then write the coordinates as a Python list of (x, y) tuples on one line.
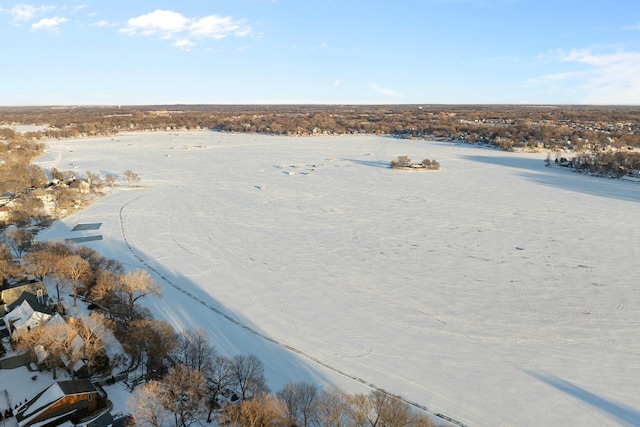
[(9, 203), (617, 172), (46, 195), (24, 306)]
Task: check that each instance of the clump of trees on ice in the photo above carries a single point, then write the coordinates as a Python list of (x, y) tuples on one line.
[(404, 162)]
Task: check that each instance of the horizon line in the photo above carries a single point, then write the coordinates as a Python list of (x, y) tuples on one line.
[(417, 104)]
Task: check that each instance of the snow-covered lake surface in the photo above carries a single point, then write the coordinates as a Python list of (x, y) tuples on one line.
[(25, 128), (496, 291)]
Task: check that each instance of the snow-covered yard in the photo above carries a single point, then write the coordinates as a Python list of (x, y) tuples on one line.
[(495, 291)]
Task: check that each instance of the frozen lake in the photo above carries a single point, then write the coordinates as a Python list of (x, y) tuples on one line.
[(25, 128), (496, 291)]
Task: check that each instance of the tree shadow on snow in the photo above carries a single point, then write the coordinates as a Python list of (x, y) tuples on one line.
[(618, 412), (187, 306), (535, 170), (371, 163), (513, 162)]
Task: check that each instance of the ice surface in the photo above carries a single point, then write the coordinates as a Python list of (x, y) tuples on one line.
[(495, 291)]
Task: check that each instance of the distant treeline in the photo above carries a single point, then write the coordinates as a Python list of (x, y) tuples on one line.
[(578, 128)]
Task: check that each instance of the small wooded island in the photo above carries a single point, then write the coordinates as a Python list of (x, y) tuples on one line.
[(404, 162)]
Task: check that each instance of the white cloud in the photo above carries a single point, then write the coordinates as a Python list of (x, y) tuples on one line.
[(610, 78), (245, 31), (217, 27), (336, 82), (50, 24), (385, 92), (555, 78), (323, 45), (167, 24), (601, 60), (184, 44), (159, 22), (594, 77), (25, 12), (22, 12), (102, 23)]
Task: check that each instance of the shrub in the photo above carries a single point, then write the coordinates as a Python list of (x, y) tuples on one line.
[(401, 162), (431, 164)]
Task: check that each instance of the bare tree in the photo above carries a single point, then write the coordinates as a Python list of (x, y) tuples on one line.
[(8, 267), (184, 394), (332, 408), (263, 410), (44, 260), (57, 247), (67, 343), (54, 343), (134, 342), (103, 292), (63, 198), (194, 349), (249, 375), (95, 183), (30, 208), (359, 409), (18, 240), (381, 409), (147, 406), (120, 293), (137, 284), (430, 164), (389, 411), (219, 375), (98, 263), (421, 420), (149, 340), (76, 269), (401, 162), (299, 400), (60, 279), (92, 329), (110, 179), (131, 177), (40, 263)]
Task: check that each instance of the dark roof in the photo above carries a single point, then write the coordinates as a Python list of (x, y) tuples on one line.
[(12, 291), (9, 284), (77, 386), (32, 300), (4, 331)]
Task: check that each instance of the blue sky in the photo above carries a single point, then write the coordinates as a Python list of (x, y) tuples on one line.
[(320, 51)]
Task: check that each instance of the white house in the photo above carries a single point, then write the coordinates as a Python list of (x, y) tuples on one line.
[(24, 317)]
